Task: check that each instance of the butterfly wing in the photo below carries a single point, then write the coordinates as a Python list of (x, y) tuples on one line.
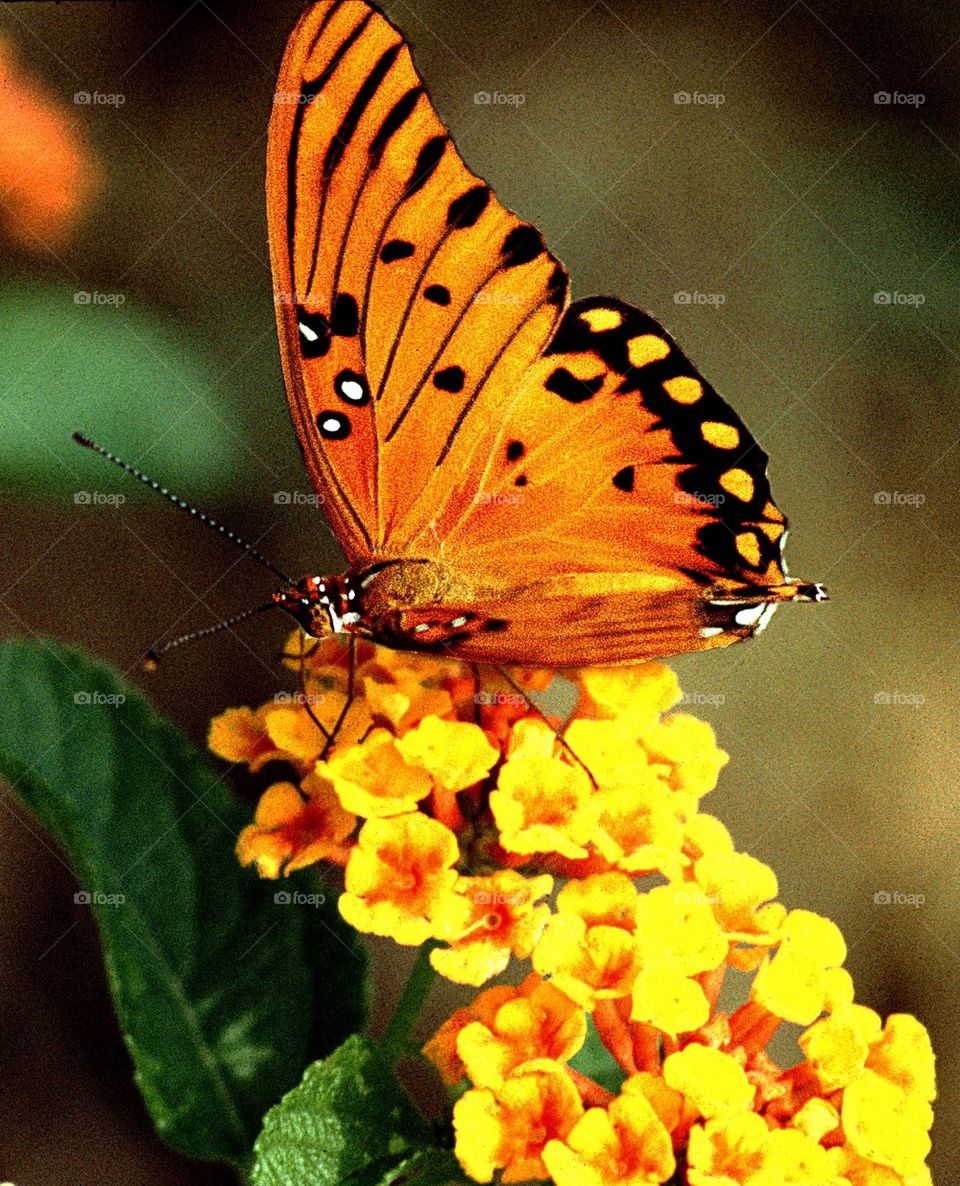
[(408, 298)]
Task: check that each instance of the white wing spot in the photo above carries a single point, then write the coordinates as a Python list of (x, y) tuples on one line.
[(352, 390), (310, 334)]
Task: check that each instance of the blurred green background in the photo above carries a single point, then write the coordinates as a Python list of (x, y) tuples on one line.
[(727, 166)]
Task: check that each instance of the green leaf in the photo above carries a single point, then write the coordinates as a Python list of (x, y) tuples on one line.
[(349, 1121), (595, 1061), (223, 993), (119, 372)]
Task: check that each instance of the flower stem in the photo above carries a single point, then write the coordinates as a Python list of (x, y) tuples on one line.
[(408, 1007)]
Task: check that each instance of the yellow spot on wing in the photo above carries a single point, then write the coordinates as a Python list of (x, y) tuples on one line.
[(646, 348), (684, 389), (772, 531), (601, 319), (738, 483), (721, 436), (771, 512), (749, 547)]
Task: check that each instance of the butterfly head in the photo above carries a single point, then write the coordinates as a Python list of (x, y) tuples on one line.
[(321, 605)]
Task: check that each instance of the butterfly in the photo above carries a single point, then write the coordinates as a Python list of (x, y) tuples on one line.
[(513, 478)]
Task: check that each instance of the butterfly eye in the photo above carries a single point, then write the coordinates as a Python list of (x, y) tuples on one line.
[(353, 388)]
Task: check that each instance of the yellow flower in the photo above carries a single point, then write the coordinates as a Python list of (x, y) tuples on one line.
[(398, 876), (884, 1124), (837, 1047), (240, 735), (638, 693), (794, 984), (509, 1128), (688, 747), (538, 1022), (638, 828), (375, 779), (485, 920), (588, 948), (405, 690), (714, 1082), (740, 889), (544, 805), (678, 938), (441, 1049), (294, 828), (625, 1142), (456, 754), (727, 1151), (904, 1056)]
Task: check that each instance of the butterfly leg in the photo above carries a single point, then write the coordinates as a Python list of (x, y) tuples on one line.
[(477, 687), (332, 737), (543, 717), (304, 695)]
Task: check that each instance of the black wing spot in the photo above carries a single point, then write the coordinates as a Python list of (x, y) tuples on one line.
[(521, 481), (399, 114), (465, 210), (396, 249), (557, 286), (515, 451), (496, 624), (449, 379), (624, 479), (438, 293), (314, 333), (572, 389), (333, 426), (523, 244), (346, 316), (428, 159)]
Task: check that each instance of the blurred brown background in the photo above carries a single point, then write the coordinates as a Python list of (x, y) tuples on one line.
[(732, 167)]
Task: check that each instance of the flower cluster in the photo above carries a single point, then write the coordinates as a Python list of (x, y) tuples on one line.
[(461, 817)]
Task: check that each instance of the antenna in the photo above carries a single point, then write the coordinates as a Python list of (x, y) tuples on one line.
[(206, 520), (152, 658)]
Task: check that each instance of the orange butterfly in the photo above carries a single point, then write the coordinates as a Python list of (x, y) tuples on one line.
[(512, 478)]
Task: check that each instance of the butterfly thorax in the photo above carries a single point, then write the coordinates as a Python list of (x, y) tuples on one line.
[(373, 601)]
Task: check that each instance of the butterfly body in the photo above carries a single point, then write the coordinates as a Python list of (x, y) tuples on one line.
[(513, 478)]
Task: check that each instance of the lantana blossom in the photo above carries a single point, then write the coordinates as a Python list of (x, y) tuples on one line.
[(469, 820)]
